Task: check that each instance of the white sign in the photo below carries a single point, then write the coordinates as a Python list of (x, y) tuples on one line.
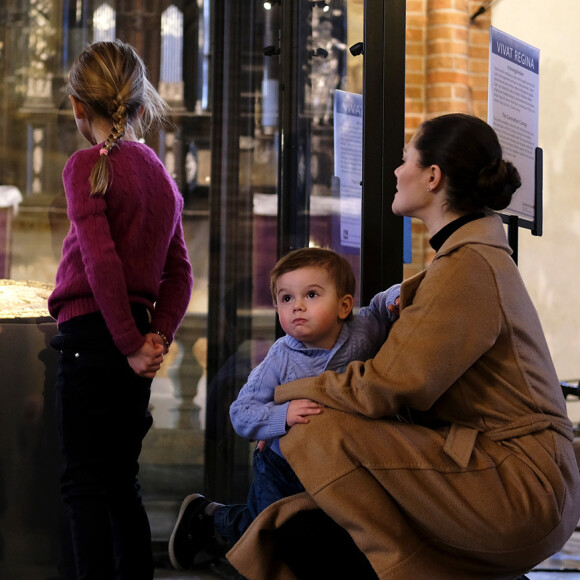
[(514, 73), (348, 136)]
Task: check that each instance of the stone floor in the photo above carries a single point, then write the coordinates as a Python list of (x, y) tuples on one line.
[(562, 566), (212, 574)]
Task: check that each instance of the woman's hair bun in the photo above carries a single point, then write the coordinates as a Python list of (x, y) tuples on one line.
[(496, 184)]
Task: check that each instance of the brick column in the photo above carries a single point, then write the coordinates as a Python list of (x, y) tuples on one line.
[(415, 76), (478, 65), (447, 78), (447, 71)]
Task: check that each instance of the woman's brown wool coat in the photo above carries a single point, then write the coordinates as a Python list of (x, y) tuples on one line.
[(448, 455)]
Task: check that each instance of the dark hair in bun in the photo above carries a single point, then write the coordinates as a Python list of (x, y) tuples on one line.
[(469, 155)]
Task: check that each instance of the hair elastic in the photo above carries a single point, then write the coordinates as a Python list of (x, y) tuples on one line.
[(103, 151)]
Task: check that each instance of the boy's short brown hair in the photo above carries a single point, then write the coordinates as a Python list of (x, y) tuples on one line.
[(338, 267)]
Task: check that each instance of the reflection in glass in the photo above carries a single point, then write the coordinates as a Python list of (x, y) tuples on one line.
[(104, 23), (204, 54), (327, 69), (240, 177), (171, 77)]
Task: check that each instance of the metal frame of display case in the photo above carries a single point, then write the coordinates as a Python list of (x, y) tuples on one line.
[(382, 233), (383, 141)]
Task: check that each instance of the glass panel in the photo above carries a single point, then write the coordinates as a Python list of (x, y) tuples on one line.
[(38, 41), (331, 68), (104, 23), (35, 142), (325, 74), (171, 76), (244, 167), (324, 65), (223, 151)]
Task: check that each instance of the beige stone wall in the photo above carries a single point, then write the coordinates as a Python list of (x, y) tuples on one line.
[(447, 70), (550, 264)]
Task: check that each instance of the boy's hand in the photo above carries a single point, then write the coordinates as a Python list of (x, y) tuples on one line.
[(394, 308), (300, 409)]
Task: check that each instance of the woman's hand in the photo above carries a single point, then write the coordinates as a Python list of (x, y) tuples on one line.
[(300, 409), (147, 360)]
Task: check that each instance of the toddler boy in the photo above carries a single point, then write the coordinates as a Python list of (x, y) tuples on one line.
[(313, 293)]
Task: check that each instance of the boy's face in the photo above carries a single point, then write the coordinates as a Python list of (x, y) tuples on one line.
[(309, 308)]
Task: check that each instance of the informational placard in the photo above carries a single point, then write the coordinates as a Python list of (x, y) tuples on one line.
[(348, 169), (348, 146), (514, 73)]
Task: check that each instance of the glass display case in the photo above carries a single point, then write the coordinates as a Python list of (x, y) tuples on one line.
[(30, 511), (251, 146)]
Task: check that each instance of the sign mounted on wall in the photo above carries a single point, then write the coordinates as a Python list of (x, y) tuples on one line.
[(513, 98)]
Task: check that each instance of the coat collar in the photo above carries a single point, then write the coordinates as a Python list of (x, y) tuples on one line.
[(487, 231)]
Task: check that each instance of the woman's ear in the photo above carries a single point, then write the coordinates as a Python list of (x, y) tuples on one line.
[(78, 107), (435, 177), (345, 305)]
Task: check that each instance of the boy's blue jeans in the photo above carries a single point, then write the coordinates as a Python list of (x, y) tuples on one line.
[(274, 479)]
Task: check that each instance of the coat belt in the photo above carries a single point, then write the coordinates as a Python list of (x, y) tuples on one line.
[(528, 424), (460, 440)]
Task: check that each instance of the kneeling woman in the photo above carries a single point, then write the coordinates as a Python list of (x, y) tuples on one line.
[(479, 480)]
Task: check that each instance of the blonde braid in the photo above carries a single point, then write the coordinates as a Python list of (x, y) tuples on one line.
[(99, 178), (119, 120), (110, 78)]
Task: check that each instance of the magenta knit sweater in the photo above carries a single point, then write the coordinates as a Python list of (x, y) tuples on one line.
[(126, 247)]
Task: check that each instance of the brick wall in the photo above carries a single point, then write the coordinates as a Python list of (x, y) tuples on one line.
[(446, 72)]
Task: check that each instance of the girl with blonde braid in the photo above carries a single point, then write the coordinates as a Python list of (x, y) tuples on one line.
[(122, 289)]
